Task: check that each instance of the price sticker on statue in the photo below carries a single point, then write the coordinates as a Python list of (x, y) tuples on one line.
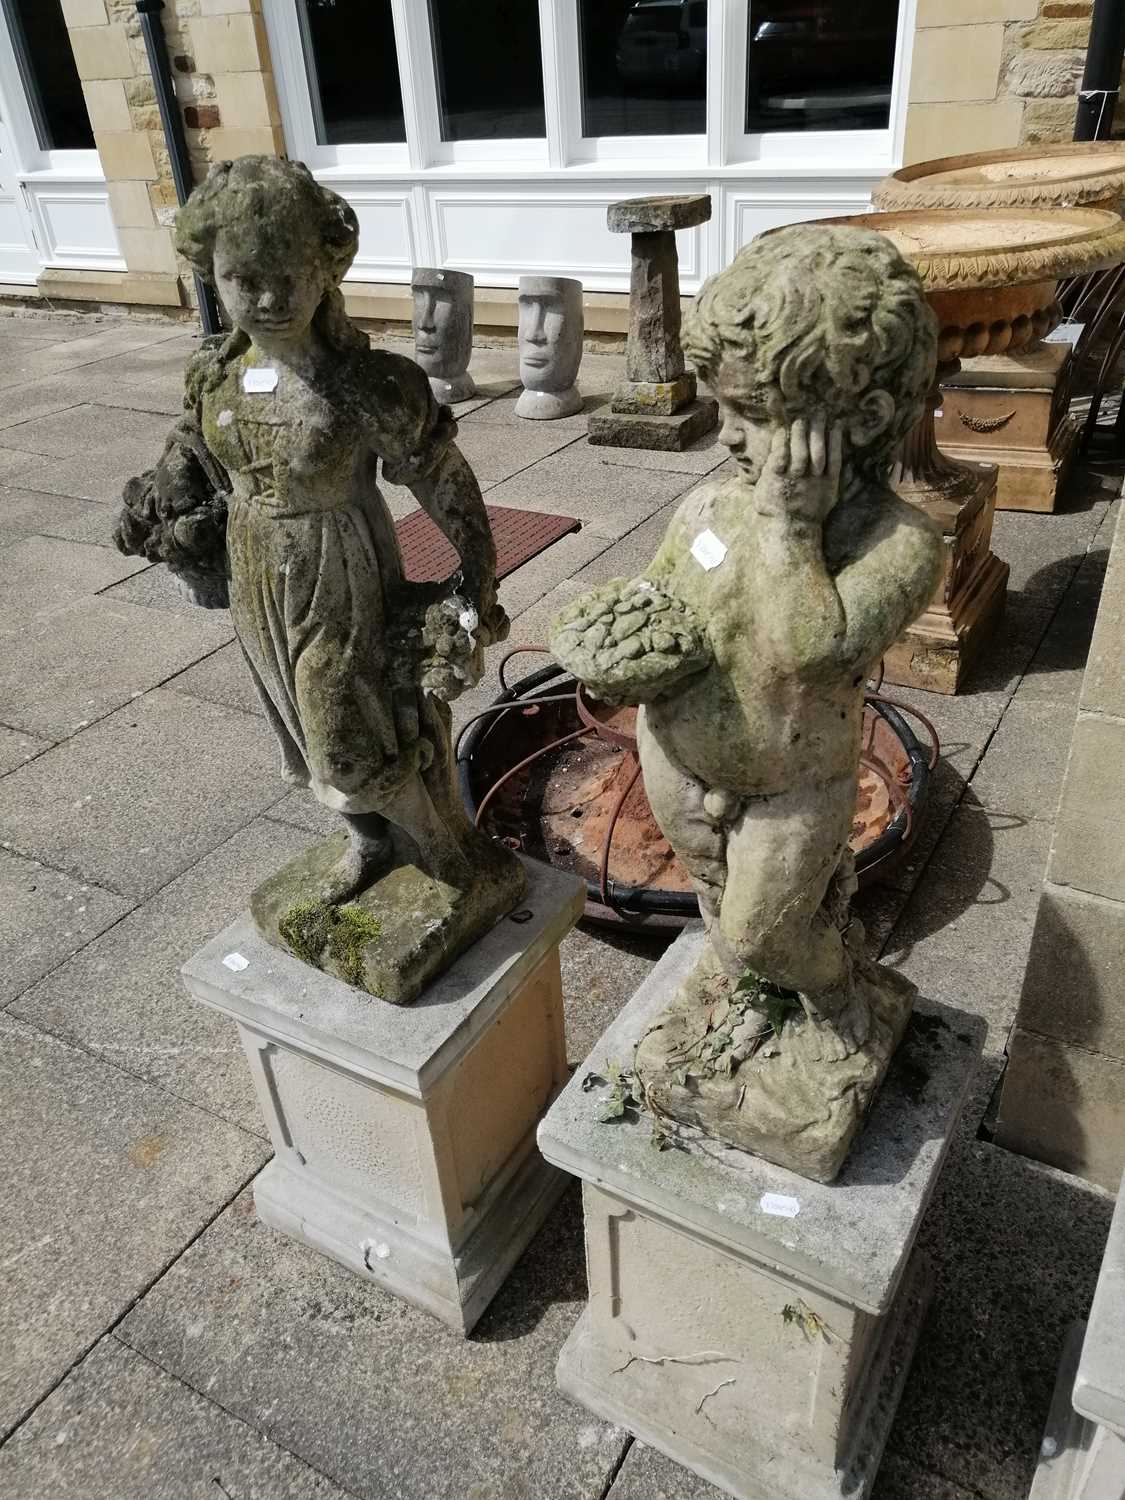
[(259, 381), (708, 550)]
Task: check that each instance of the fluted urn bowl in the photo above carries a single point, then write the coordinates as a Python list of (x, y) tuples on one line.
[(990, 275), (1065, 174)]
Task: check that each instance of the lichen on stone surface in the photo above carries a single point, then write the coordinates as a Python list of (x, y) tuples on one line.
[(350, 930), (304, 927), (315, 930)]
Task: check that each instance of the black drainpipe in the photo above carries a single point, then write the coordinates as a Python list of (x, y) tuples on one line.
[(1101, 80), (152, 28)]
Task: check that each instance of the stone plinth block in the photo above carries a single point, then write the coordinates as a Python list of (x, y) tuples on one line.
[(614, 429), (1082, 1456), (1013, 411), (405, 1136), (753, 1325)]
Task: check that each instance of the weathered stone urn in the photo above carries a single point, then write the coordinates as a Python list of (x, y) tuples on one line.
[(990, 278), (1011, 407)]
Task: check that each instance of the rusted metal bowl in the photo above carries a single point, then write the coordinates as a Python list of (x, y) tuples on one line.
[(555, 775)]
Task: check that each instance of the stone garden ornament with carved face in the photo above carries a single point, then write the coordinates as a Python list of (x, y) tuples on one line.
[(443, 331), (550, 346), (748, 640), (267, 491)]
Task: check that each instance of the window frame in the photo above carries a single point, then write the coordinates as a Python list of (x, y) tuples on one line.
[(725, 144), (31, 158)]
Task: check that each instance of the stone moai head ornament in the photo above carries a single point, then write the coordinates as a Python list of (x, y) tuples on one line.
[(443, 331), (550, 345)]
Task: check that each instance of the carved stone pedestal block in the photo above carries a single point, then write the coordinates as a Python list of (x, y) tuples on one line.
[(405, 1135), (1082, 1456), (753, 1325), (1012, 410)]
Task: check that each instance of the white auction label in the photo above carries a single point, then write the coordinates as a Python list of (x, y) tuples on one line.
[(259, 381), (1065, 333), (236, 962), (708, 550), (780, 1205)]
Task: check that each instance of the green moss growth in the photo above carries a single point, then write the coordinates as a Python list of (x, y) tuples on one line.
[(305, 928), (349, 932)]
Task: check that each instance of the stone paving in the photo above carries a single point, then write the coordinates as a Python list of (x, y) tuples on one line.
[(157, 1341)]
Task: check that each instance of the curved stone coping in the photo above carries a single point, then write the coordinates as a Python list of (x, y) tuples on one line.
[(965, 251), (1067, 174)]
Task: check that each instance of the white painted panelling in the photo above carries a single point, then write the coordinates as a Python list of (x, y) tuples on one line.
[(18, 262), (501, 236), (388, 246), (747, 217), (77, 226)]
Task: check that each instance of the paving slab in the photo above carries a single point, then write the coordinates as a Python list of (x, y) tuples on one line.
[(98, 476), (67, 355), (16, 748), (1000, 667), (84, 429), (122, 999), (119, 1426), (144, 794), (158, 393), (496, 452), (39, 514), (156, 588), (38, 398), (45, 916), (965, 935), (377, 1395), (89, 656), (106, 1179), (223, 677), (1017, 1248), (1043, 551), (601, 971), (38, 574), (608, 498), (14, 462), (1058, 665), (1022, 770), (561, 560)]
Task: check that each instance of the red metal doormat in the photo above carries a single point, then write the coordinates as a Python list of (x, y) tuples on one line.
[(519, 535)]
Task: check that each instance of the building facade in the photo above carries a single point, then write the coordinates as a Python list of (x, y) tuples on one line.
[(489, 135)]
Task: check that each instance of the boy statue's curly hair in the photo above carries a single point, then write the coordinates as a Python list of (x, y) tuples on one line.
[(821, 315)]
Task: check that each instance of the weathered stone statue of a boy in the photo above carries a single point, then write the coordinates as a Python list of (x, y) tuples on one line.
[(748, 640)]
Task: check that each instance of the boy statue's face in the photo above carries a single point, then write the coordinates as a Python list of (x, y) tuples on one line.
[(747, 424)]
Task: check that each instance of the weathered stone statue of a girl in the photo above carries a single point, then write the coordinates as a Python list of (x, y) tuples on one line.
[(748, 640), (294, 413)]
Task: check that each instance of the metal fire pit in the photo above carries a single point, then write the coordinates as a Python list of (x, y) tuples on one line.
[(555, 774)]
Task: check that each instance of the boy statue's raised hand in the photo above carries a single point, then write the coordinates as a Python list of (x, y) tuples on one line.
[(786, 583)]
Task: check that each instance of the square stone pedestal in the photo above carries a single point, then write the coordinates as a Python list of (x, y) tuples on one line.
[(405, 1135), (938, 650), (1013, 411), (753, 1325), (1082, 1456)]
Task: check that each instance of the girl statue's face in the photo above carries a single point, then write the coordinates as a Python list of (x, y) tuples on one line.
[(270, 283)]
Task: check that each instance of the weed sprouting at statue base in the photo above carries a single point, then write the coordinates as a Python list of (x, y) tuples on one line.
[(292, 415), (748, 640)]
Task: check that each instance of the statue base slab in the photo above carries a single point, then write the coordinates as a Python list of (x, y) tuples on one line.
[(753, 1325), (451, 392), (395, 937), (405, 1137), (1012, 410), (613, 429), (793, 1103)]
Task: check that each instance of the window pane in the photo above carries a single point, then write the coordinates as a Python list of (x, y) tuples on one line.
[(644, 66), (50, 77), (353, 71), (489, 69), (820, 64)]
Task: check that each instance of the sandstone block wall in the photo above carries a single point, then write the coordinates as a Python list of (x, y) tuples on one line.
[(1063, 1099), (995, 73)]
